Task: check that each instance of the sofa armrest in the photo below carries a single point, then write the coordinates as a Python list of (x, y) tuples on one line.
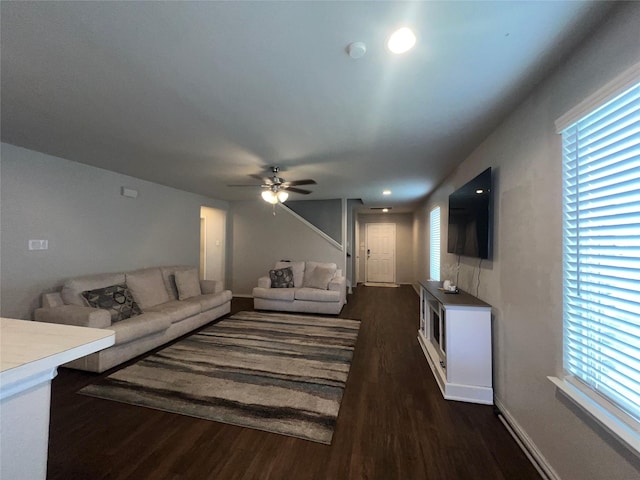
[(53, 299), (211, 286), (74, 315), (264, 282), (339, 284)]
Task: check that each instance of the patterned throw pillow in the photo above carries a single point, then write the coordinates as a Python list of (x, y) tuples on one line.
[(117, 299), (281, 278)]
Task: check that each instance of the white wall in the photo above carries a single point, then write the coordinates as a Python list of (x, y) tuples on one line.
[(260, 239), (404, 243), (90, 226), (523, 281)]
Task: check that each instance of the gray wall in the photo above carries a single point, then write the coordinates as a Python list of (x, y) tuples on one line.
[(260, 239), (523, 282), (324, 214), (90, 227), (404, 243)]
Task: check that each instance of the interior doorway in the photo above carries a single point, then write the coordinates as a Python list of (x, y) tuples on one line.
[(212, 243), (357, 249), (203, 243), (380, 266)]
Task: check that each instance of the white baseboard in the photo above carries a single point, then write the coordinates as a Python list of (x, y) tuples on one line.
[(526, 444)]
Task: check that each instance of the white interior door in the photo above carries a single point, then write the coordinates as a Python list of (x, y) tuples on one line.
[(381, 252), (212, 246)]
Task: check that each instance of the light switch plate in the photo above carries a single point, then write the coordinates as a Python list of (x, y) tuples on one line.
[(38, 244), (129, 192)]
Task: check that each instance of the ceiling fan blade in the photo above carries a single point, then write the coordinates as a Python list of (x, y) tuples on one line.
[(245, 185), (298, 190), (307, 181), (263, 179)]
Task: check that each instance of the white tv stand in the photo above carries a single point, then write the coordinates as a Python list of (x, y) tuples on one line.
[(455, 336)]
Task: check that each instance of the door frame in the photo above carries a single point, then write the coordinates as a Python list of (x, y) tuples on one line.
[(357, 252)]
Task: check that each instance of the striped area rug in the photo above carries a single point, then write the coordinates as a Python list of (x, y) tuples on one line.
[(277, 372)]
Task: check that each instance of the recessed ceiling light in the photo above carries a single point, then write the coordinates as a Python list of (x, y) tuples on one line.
[(402, 40), (386, 192), (479, 191)]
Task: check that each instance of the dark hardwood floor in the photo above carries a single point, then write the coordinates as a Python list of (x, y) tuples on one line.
[(393, 423)]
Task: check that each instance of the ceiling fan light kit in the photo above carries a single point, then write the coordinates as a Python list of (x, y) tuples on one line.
[(274, 197), (269, 197), (275, 189)]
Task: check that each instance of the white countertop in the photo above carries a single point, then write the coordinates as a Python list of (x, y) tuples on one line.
[(30, 350)]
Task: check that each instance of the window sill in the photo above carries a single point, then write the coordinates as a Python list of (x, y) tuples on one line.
[(603, 412)]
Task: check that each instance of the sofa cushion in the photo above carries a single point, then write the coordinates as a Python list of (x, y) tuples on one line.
[(211, 286), (298, 271), (211, 300), (317, 295), (311, 266), (176, 310), (72, 289), (320, 278), (140, 326), (116, 299), (281, 278), (168, 276), (286, 294), (147, 287), (188, 283)]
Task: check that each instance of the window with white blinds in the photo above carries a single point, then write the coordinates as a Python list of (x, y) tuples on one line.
[(601, 253), (434, 244)]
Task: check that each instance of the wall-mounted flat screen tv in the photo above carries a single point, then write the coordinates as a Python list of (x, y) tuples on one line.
[(470, 218)]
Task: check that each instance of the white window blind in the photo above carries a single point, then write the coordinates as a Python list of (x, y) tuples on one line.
[(601, 251), (434, 244)]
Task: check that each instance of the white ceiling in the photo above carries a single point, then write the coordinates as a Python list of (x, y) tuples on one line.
[(198, 95)]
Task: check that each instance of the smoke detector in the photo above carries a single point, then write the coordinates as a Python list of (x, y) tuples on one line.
[(357, 49)]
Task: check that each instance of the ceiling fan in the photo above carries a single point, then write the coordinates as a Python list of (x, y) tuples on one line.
[(276, 189)]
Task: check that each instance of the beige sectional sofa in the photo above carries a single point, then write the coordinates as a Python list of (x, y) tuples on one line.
[(145, 308), (315, 287)]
